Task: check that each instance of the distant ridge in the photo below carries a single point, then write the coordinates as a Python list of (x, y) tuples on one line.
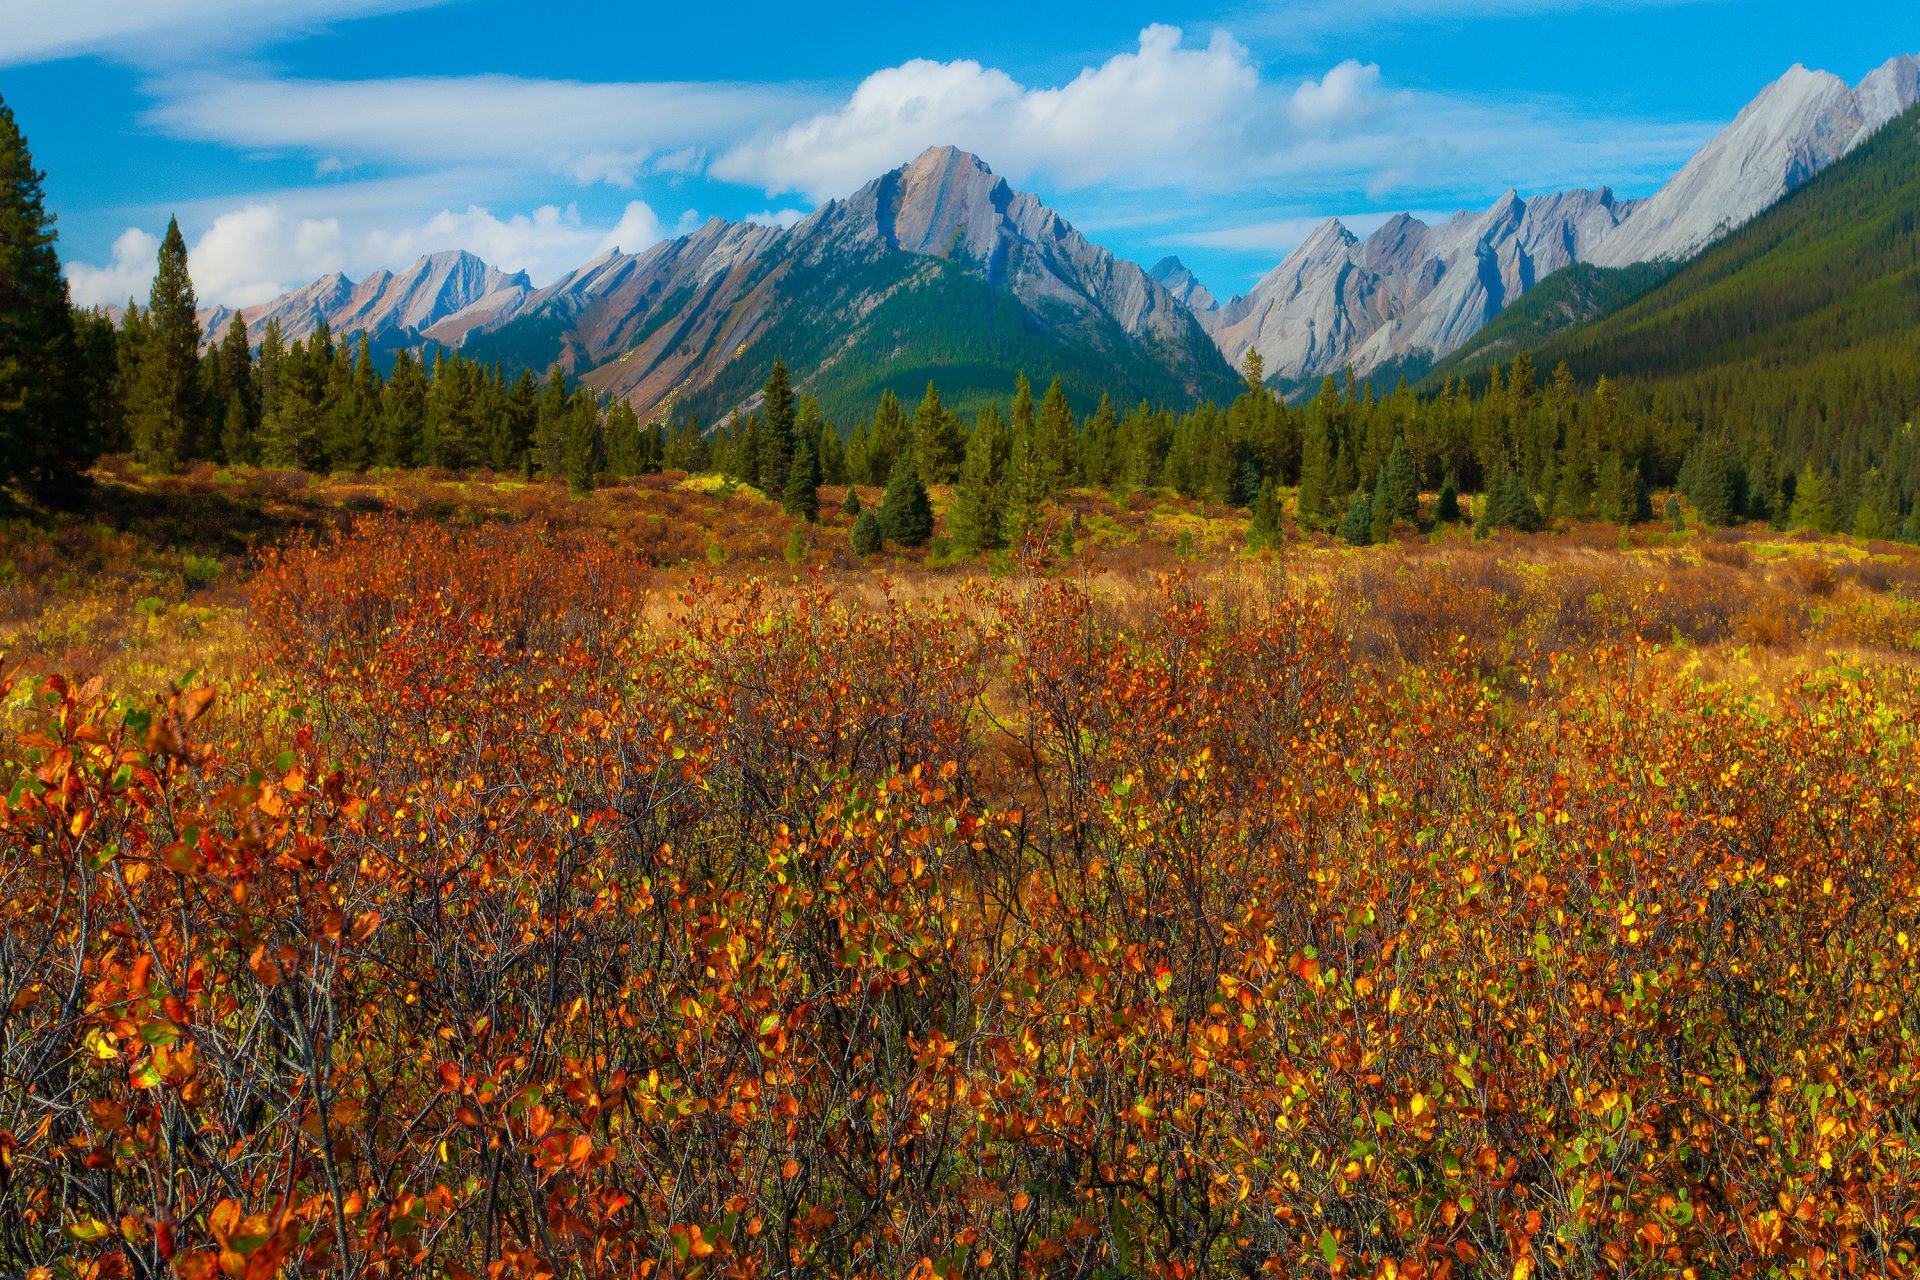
[(1411, 294)]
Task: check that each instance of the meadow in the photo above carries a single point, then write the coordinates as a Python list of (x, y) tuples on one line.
[(429, 873)]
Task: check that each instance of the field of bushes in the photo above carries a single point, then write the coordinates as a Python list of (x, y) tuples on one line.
[(436, 875)]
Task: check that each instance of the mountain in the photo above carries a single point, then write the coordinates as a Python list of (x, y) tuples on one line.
[(1173, 275), (1568, 298), (1816, 302), (1800, 124), (938, 270), (1408, 288), (1410, 294), (441, 298)]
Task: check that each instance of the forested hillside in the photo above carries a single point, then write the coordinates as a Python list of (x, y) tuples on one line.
[(1568, 298), (1801, 331)]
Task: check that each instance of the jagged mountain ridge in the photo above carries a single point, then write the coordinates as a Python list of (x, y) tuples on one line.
[(441, 298), (663, 326), (689, 325), (1410, 292)]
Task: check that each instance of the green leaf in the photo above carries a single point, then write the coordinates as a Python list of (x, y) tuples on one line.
[(1329, 1247)]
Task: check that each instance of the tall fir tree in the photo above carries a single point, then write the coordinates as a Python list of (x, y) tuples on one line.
[(906, 513), (975, 520), (47, 441), (800, 497), (166, 414), (240, 423), (1053, 442), (777, 419), (888, 438), (937, 442), (1401, 490), (581, 456)]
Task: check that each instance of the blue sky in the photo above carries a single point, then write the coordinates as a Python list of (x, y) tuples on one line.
[(298, 137)]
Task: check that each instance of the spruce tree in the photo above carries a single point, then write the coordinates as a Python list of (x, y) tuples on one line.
[(888, 439), (47, 441), (850, 505), (1053, 442), (1446, 508), (1267, 528), (1382, 513), (800, 496), (866, 535), (240, 421), (1356, 527), (937, 442), (165, 414), (975, 521), (581, 455), (1619, 498), (626, 446), (1401, 490), (777, 419), (906, 513), (1810, 507), (1315, 498)]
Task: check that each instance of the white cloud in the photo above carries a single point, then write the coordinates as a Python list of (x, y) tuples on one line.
[(1167, 116), (129, 274), (1138, 116), (587, 132), (782, 218), (255, 253), (154, 31)]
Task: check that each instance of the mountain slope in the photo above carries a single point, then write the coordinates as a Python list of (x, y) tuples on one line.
[(937, 270), (441, 298), (1570, 297), (1411, 293), (1819, 297)]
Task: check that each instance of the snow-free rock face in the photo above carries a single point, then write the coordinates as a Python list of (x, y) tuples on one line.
[(659, 326), (440, 298), (1411, 290), (1172, 275), (1337, 300)]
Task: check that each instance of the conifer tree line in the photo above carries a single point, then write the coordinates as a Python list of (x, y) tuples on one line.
[(320, 405), (1355, 462)]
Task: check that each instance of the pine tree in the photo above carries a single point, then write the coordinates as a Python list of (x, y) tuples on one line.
[(1356, 527), (1382, 513), (47, 441), (850, 505), (1316, 471), (906, 513), (800, 496), (239, 422), (1619, 498), (403, 414), (165, 415), (626, 442), (1401, 489), (937, 441), (1267, 528), (776, 431), (865, 537), (1053, 442), (1810, 507), (888, 439), (581, 456), (797, 544), (975, 520), (1446, 509), (290, 436)]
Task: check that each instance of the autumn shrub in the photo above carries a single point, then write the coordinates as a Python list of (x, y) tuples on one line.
[(514, 921), (1811, 575)]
